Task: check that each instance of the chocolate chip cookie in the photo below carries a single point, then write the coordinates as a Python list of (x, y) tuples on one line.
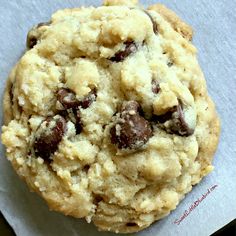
[(107, 115)]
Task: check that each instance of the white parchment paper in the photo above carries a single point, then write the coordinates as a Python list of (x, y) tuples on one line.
[(212, 203)]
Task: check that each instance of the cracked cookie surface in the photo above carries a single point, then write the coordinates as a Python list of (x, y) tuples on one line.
[(107, 114)]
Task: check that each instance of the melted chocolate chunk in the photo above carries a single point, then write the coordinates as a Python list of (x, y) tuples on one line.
[(165, 117), (63, 113), (89, 99), (50, 135), (131, 130), (176, 121), (78, 122), (154, 24), (72, 106), (180, 125), (130, 47), (155, 87), (67, 98)]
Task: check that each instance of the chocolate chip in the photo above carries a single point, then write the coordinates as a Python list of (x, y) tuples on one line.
[(155, 87), (78, 122), (131, 224), (72, 106), (154, 24), (73, 115), (97, 199), (181, 125), (50, 134), (67, 98), (86, 168), (130, 47), (63, 113), (11, 94), (174, 121), (31, 41), (32, 36), (165, 117), (43, 24), (89, 99), (131, 130)]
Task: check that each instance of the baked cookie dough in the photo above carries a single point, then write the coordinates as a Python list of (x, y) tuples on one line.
[(107, 114)]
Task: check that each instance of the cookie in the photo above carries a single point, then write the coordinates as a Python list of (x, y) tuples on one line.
[(107, 115)]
